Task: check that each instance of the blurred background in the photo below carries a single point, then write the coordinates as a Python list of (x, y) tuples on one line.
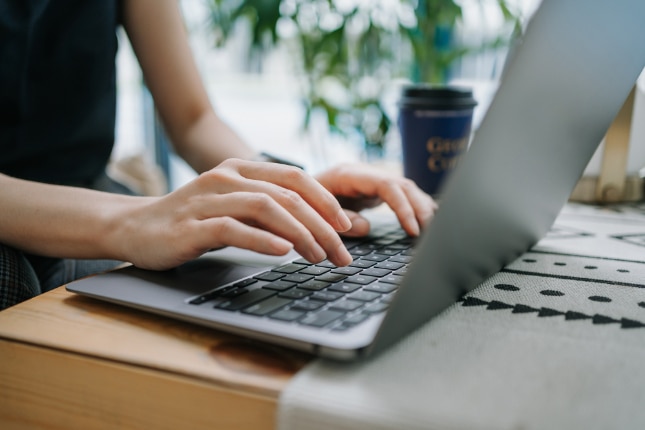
[(317, 81)]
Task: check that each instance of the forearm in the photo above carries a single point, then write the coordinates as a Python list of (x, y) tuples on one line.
[(209, 141), (62, 221), (156, 31)]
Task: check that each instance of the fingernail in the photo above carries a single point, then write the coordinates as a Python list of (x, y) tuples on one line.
[(280, 246), (343, 221), (415, 230), (317, 254), (344, 256)]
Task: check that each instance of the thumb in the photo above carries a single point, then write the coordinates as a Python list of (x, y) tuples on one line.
[(360, 225)]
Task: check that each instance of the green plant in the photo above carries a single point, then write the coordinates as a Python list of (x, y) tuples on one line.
[(350, 51)]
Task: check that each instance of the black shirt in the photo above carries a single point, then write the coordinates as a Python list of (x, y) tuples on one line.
[(57, 88)]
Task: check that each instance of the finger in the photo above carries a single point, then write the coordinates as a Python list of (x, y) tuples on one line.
[(295, 179), (227, 231), (261, 210), (391, 192), (423, 205), (300, 195), (412, 206), (360, 225), (311, 236)]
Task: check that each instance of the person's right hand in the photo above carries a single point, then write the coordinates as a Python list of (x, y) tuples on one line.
[(264, 207)]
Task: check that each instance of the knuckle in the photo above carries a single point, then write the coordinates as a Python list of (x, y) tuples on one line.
[(407, 183), (212, 176), (223, 226), (330, 238), (289, 199), (294, 174), (231, 162), (259, 202)]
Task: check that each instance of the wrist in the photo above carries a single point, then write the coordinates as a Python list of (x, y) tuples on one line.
[(270, 158)]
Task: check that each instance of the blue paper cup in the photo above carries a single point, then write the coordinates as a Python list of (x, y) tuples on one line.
[(435, 125)]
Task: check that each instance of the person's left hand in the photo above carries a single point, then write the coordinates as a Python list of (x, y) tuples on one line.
[(360, 187)]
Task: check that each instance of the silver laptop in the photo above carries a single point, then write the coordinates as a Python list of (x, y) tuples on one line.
[(565, 81)]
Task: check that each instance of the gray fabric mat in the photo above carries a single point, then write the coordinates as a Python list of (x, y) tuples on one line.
[(554, 340)]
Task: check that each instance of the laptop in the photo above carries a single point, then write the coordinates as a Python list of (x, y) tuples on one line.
[(564, 82)]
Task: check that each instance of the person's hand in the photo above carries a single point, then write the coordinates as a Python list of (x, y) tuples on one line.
[(359, 187), (264, 207)]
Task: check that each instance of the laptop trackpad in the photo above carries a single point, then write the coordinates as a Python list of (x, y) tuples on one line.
[(214, 269)]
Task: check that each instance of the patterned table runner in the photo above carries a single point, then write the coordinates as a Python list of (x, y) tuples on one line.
[(554, 340)]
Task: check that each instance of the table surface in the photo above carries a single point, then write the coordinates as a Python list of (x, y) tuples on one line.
[(75, 362)]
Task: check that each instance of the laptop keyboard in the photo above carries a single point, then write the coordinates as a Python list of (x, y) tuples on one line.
[(323, 295)]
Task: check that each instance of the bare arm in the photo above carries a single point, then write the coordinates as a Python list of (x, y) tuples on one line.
[(156, 31), (264, 207), (259, 206), (59, 221)]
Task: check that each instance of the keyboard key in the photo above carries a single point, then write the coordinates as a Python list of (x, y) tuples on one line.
[(297, 278), (211, 295), (314, 285), (315, 270), (355, 319), (401, 259), (379, 273), (267, 306), (392, 279), (364, 296), (344, 288), (381, 288), (388, 251), (351, 322), (389, 265), (269, 276), (327, 296), (203, 299), (327, 264), (346, 305), (375, 308), (289, 268), (348, 270), (295, 293), (352, 242), (245, 300), (375, 257), (234, 292), (245, 282), (279, 285), (321, 318), (399, 246), (363, 264), (331, 277), (402, 271), (287, 315), (388, 299), (384, 241), (360, 279), (307, 305), (362, 250)]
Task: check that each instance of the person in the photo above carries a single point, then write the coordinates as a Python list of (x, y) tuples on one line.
[(63, 218)]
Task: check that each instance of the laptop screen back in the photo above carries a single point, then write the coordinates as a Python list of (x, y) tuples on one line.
[(563, 85)]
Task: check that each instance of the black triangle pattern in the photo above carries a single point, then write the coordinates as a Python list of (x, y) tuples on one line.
[(523, 309), (597, 319), (572, 315), (496, 305)]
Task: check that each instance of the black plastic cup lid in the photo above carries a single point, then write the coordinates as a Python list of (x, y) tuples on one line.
[(437, 97)]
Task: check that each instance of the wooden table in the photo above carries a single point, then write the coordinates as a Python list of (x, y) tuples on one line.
[(68, 361)]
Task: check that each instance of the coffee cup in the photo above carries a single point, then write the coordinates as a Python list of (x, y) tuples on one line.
[(435, 125)]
